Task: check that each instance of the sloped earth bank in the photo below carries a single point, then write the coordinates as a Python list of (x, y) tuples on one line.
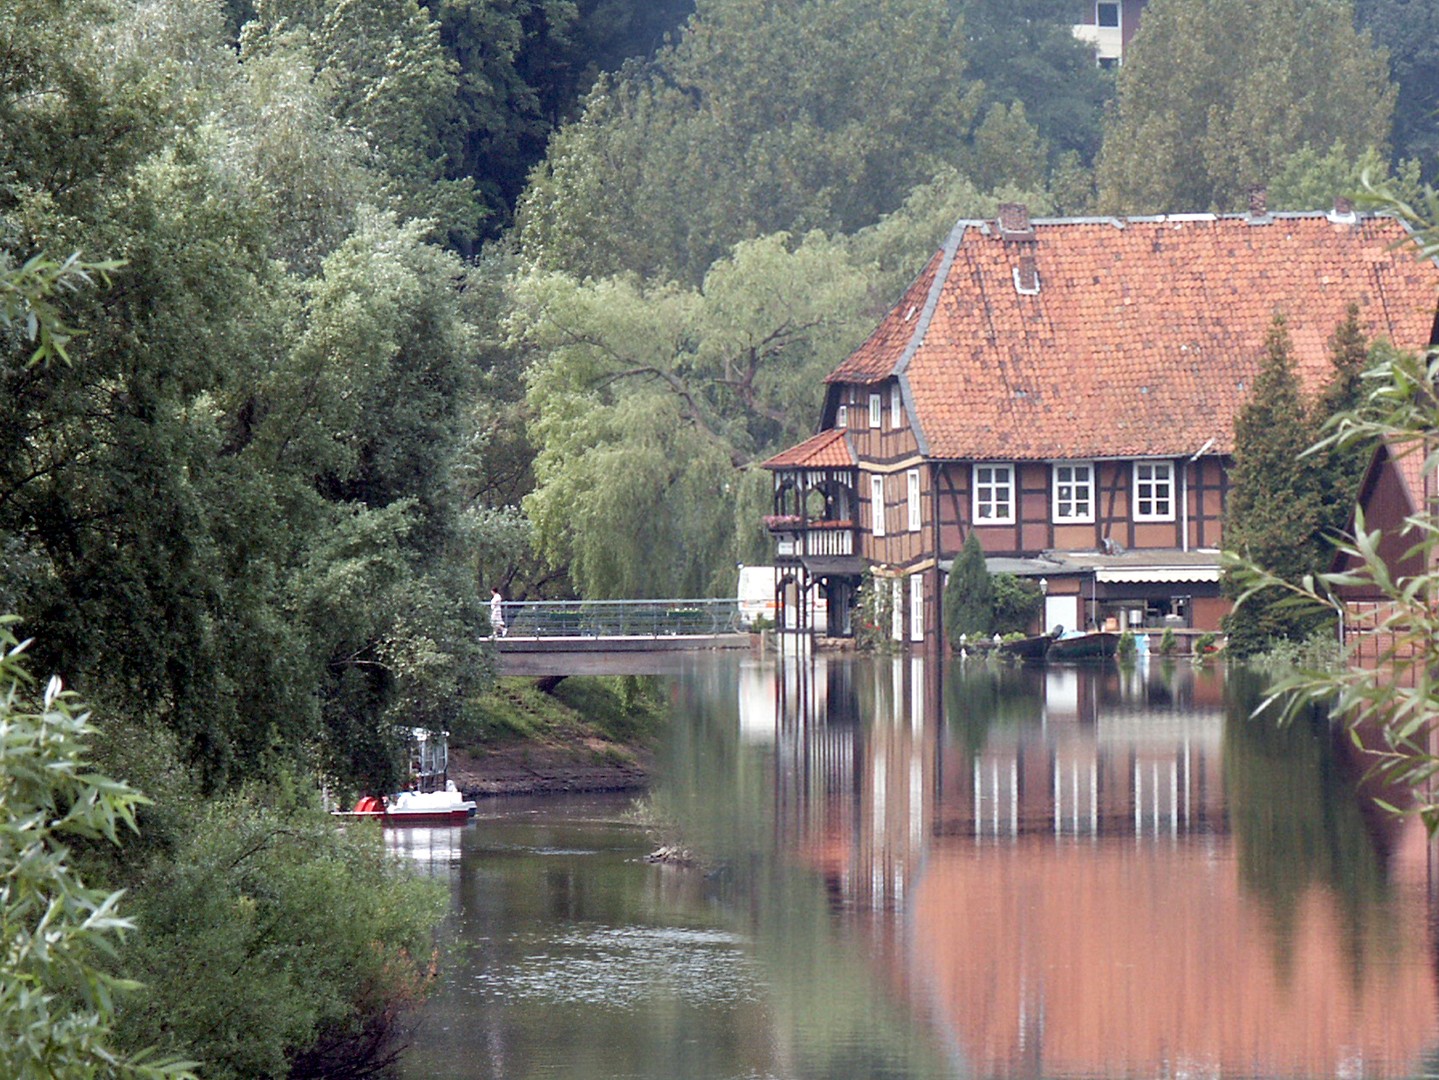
[(544, 770)]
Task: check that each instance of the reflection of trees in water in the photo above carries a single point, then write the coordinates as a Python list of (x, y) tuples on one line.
[(826, 1016), (1298, 824), (980, 696)]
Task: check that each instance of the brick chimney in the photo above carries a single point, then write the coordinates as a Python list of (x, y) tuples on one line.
[(1258, 201), (1014, 223)]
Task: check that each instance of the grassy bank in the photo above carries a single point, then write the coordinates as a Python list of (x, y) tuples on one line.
[(586, 733)]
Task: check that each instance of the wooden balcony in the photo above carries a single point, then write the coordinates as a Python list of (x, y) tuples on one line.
[(797, 537)]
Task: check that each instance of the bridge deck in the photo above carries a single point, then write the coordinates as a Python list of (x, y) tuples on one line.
[(608, 655)]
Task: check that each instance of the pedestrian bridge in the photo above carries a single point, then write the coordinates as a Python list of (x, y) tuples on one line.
[(614, 637)]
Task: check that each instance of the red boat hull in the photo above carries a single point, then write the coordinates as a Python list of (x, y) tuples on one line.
[(457, 816)]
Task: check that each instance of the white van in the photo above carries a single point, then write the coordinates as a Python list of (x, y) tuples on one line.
[(756, 599)]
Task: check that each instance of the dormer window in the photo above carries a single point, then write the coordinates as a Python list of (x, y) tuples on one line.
[(841, 417), (896, 410)]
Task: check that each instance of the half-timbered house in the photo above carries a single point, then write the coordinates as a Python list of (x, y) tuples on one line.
[(1067, 390)]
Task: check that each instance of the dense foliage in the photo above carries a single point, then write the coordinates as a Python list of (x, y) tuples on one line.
[(57, 997), (1289, 505), (968, 594), (1216, 95), (1273, 513), (1393, 717), (319, 316)]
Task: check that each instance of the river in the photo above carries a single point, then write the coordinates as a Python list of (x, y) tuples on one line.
[(980, 871)]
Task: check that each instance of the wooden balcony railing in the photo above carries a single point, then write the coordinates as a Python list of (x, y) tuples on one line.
[(795, 536)]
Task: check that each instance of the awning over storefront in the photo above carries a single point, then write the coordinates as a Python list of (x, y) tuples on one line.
[(1163, 567), (1156, 575)]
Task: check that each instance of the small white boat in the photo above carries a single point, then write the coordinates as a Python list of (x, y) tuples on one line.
[(444, 807), (429, 803)]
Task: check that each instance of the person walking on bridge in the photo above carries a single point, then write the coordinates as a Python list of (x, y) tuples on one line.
[(497, 613)]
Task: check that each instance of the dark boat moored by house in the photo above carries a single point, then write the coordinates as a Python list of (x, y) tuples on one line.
[(1029, 648), (1100, 644)]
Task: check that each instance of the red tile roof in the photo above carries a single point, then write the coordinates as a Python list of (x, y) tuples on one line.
[(828, 450), (1145, 336), (1409, 461)]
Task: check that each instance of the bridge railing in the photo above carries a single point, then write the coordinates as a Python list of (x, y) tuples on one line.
[(620, 618)]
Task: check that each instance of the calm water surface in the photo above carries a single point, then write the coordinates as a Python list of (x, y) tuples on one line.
[(983, 871)]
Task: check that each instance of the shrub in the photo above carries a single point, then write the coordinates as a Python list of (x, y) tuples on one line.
[(1017, 604), (874, 614), (969, 594), (1127, 646), (57, 1002)]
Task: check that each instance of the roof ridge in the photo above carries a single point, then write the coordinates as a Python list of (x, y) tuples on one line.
[(936, 290), (1119, 221)]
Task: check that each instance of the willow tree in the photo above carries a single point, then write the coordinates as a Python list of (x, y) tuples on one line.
[(652, 405)]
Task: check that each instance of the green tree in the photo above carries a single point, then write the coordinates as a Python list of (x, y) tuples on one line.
[(968, 594), (1274, 512), (1395, 714), (1311, 180), (1216, 95), (1341, 468), (1025, 53), (391, 83), (762, 118), (1017, 604), (1007, 149), (262, 403), (646, 400), (1409, 31), (57, 992)]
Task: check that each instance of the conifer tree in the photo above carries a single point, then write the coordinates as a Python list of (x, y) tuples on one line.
[(969, 593), (1275, 512), (1342, 467)]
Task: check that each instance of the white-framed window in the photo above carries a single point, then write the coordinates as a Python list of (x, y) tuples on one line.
[(1073, 492), (841, 417), (876, 503), (876, 409), (896, 622), (1154, 491), (993, 494), (1106, 14), (896, 408), (916, 607), (912, 477)]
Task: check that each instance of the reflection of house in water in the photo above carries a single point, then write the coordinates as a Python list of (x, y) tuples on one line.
[(854, 798), (1115, 754), (1120, 921), (1087, 872)]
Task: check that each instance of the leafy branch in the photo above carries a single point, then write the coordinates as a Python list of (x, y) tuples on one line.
[(25, 299)]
